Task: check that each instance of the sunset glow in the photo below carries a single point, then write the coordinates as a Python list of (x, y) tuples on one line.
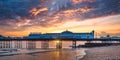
[(48, 16)]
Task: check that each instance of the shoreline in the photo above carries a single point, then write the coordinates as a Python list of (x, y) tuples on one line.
[(102, 53), (81, 56), (24, 52)]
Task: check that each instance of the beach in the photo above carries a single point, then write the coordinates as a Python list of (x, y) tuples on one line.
[(64, 54), (103, 53), (95, 53)]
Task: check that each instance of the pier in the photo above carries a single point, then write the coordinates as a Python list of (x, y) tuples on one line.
[(31, 43), (46, 38)]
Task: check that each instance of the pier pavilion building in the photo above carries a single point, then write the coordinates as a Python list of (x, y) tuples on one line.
[(65, 34)]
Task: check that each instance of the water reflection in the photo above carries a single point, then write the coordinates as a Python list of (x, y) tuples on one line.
[(56, 55)]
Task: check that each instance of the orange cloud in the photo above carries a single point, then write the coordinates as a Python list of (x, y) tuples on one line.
[(82, 10), (85, 10), (36, 11), (72, 13), (77, 1), (80, 1)]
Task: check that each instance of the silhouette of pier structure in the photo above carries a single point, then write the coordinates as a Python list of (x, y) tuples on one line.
[(32, 38)]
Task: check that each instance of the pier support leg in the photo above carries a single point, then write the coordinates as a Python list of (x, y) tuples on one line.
[(18, 44), (44, 44), (0, 44), (74, 44), (59, 45), (89, 41), (31, 44)]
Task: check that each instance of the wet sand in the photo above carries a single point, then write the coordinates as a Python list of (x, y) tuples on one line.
[(63, 54), (103, 53)]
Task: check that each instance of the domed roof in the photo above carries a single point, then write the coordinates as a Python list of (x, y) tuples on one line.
[(66, 32)]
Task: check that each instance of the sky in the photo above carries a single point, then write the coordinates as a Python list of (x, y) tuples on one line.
[(20, 17)]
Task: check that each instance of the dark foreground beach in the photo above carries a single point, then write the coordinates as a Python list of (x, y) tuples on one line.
[(96, 53), (64, 54), (103, 53)]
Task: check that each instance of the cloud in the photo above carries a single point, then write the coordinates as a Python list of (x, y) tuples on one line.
[(22, 14)]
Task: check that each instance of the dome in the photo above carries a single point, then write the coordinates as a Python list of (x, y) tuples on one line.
[(67, 32)]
